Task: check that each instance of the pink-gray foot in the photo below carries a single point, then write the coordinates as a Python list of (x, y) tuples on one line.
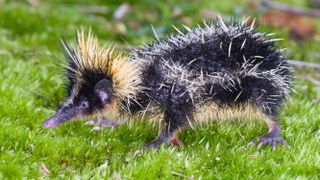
[(272, 138), (101, 123)]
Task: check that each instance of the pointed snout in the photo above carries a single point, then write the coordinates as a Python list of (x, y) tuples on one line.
[(50, 123), (61, 116)]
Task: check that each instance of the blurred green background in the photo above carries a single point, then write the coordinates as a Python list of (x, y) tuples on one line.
[(31, 87)]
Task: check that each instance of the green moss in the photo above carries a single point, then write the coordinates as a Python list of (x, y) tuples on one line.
[(31, 87)]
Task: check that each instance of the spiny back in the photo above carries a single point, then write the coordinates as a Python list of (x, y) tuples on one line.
[(215, 48), (234, 49)]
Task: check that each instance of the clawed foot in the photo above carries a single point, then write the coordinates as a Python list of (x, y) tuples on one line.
[(269, 138), (101, 123), (155, 144)]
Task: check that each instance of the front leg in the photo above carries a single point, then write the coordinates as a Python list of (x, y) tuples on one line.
[(174, 119)]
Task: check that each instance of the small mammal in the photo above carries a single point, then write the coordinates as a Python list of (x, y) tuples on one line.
[(206, 73)]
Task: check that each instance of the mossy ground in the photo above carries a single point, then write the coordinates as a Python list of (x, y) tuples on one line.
[(31, 86)]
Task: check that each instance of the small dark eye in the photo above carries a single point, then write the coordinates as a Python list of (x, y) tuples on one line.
[(84, 104)]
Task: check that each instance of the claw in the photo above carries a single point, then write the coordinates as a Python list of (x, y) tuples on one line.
[(274, 145), (252, 143), (137, 153), (269, 138), (260, 145), (96, 128), (90, 123)]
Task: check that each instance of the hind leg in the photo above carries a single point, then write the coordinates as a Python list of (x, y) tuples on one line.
[(273, 137), (267, 98), (269, 105)]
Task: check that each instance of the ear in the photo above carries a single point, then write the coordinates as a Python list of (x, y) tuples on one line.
[(103, 89)]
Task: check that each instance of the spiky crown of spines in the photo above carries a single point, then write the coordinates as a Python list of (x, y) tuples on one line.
[(87, 55)]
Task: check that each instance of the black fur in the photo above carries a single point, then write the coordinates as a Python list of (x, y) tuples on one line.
[(210, 54)]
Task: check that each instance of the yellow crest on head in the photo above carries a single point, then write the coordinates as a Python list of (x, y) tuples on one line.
[(89, 55)]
